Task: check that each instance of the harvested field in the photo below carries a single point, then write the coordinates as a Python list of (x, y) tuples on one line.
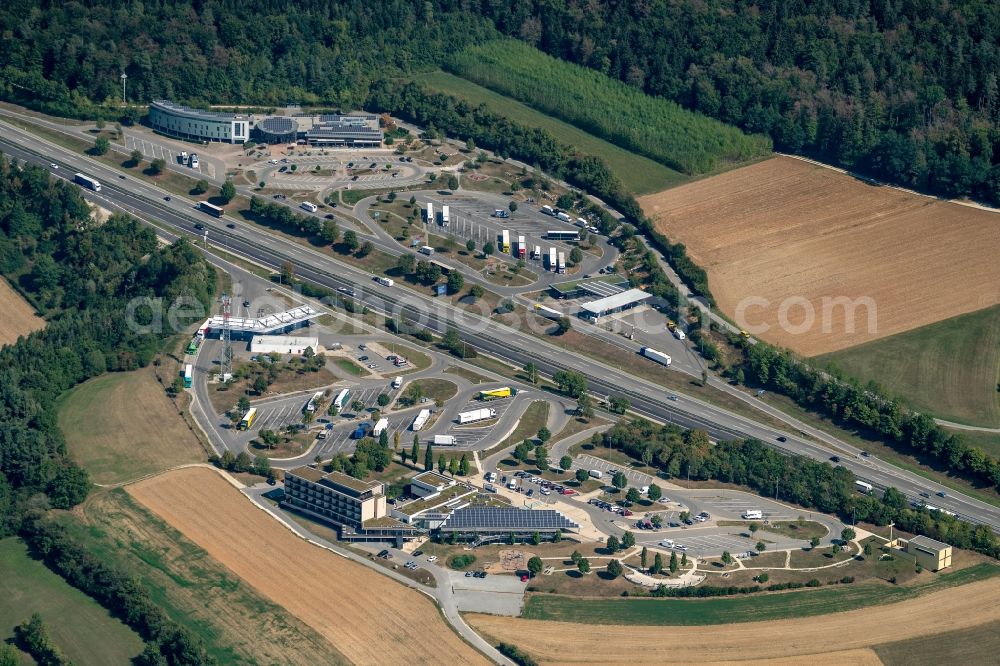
[(562, 642), (19, 318), (369, 618), (103, 433), (787, 230)]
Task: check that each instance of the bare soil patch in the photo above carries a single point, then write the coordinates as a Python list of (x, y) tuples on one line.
[(369, 618), (787, 228), (563, 642), (19, 317)]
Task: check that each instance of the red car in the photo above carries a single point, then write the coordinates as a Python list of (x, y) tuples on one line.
[(524, 578), (568, 491), (626, 513)]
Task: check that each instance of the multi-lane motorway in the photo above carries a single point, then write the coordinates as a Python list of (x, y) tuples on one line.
[(179, 215)]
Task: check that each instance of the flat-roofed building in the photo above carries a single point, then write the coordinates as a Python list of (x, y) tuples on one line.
[(186, 123), (430, 484), (929, 553), (283, 344), (335, 496), (624, 300)]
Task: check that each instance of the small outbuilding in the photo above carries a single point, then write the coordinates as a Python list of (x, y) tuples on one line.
[(928, 553)]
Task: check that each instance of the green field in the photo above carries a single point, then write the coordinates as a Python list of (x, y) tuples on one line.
[(987, 441), (640, 175), (949, 369), (976, 645), (350, 367), (78, 625), (745, 608)]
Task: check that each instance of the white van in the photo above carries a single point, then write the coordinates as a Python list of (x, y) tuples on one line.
[(427, 249), (753, 514), (397, 382), (306, 205), (596, 474), (643, 490)]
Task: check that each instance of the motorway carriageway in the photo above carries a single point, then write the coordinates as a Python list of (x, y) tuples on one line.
[(146, 201)]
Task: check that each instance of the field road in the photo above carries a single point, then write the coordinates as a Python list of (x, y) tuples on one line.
[(506, 343), (570, 643)]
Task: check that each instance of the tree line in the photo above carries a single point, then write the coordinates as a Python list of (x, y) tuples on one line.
[(652, 126), (118, 591), (852, 405), (681, 453)]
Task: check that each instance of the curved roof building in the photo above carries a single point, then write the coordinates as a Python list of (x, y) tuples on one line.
[(198, 125)]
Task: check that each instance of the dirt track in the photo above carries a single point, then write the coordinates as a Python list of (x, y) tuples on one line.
[(369, 618), (787, 228), (19, 318), (566, 643)]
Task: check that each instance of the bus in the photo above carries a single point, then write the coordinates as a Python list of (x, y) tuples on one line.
[(188, 375), (559, 235), (87, 182), (247, 421), (341, 400), (211, 209)]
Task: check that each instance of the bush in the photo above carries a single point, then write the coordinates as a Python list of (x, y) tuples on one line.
[(516, 655), (462, 561)]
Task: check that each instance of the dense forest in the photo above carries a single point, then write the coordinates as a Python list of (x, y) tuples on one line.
[(904, 90), (82, 275), (808, 483), (907, 91)]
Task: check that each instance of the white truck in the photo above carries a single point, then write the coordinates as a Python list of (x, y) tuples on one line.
[(678, 333), (580, 222), (430, 212), (193, 161), (445, 218), (477, 415), (444, 440), (596, 474), (308, 206), (397, 382), (561, 268), (427, 249), (421, 420), (654, 355), (863, 487), (384, 281), (548, 210), (564, 217), (537, 254), (753, 514), (380, 427)]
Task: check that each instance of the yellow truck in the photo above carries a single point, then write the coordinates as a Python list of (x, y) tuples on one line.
[(495, 394)]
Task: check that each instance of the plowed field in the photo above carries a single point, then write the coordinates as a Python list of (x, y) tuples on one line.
[(793, 233)]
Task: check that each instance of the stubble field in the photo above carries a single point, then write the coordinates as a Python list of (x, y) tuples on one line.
[(369, 618), (816, 640), (786, 228), (19, 318)]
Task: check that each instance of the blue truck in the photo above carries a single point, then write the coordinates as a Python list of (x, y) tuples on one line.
[(362, 431)]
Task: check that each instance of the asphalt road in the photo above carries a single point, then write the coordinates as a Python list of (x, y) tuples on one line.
[(179, 215)]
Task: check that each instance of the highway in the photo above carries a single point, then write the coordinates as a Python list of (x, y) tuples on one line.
[(517, 347)]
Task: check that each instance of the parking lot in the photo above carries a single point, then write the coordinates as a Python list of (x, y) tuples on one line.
[(338, 439), (588, 462), (734, 507), (153, 151), (468, 436), (701, 545)]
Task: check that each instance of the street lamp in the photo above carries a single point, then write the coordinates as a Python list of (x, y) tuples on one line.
[(123, 77)]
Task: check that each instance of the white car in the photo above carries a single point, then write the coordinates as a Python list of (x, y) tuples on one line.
[(53, 165), (667, 543), (546, 491), (680, 547), (432, 558)]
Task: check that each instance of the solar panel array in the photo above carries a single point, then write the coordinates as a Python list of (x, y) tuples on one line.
[(500, 518)]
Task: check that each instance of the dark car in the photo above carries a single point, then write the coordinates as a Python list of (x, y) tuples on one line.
[(925, 494), (383, 553), (835, 459), (271, 481), (230, 226), (199, 226), (167, 198), (122, 177), (782, 438), (333, 204), (329, 216), (942, 494), (418, 553)]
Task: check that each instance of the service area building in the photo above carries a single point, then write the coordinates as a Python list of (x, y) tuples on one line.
[(625, 300), (195, 124), (928, 553), (283, 344)]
